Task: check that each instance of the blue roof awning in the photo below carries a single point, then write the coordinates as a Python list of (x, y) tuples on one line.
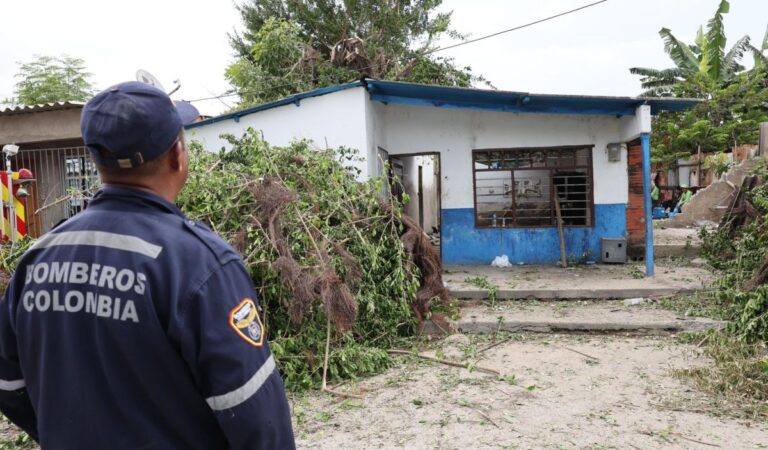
[(485, 99), (510, 101)]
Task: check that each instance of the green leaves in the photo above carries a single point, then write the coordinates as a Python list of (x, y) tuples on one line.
[(49, 79), (759, 54), (739, 255), (340, 210), (730, 116), (706, 62), (715, 43), (681, 53), (292, 46)]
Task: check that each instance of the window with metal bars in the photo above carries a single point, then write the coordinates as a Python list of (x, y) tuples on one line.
[(80, 178), (525, 187)]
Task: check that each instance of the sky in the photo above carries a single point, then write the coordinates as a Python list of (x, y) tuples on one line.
[(588, 52)]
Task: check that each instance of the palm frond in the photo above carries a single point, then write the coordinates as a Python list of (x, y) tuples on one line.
[(759, 54), (731, 60), (659, 83), (759, 57), (764, 46), (657, 92), (681, 53), (716, 40)]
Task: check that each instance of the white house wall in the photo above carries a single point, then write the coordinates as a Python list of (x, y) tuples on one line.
[(454, 133), (334, 120)]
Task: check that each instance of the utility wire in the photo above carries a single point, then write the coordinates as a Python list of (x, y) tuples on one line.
[(472, 41), (429, 52)]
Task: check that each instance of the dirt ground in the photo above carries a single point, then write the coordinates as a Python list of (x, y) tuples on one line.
[(556, 392)]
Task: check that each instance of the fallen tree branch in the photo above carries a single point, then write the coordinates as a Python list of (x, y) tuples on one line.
[(467, 366), (760, 277), (495, 344), (325, 366)]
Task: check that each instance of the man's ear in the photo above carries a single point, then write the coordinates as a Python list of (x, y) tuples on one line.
[(176, 155)]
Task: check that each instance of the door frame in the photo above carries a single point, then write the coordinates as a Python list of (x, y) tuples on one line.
[(439, 185)]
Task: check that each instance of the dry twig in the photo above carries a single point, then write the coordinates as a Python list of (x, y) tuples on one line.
[(696, 441), (485, 416), (580, 353), (325, 366), (467, 366), (495, 344)]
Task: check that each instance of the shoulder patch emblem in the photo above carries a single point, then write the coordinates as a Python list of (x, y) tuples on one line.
[(244, 319)]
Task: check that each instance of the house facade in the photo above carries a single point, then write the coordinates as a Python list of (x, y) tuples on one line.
[(489, 172), (50, 145)]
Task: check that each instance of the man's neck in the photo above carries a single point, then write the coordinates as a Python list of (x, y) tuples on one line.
[(165, 194)]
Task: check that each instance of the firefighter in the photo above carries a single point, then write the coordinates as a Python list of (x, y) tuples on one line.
[(131, 326)]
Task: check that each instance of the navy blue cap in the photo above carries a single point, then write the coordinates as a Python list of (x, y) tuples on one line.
[(187, 111), (129, 124)]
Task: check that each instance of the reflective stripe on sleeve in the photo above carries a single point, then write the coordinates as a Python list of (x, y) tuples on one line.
[(100, 239), (244, 392), (12, 385)]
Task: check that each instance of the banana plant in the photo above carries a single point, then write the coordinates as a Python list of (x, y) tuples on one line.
[(761, 54), (706, 58)]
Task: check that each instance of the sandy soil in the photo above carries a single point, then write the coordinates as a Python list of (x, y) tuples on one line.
[(671, 236), (556, 392), (559, 391)]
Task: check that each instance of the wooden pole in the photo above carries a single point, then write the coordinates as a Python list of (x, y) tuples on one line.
[(762, 148), (563, 259)]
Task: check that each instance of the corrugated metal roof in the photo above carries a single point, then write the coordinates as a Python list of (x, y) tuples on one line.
[(26, 109)]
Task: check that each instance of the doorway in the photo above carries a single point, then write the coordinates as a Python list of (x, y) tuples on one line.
[(417, 176)]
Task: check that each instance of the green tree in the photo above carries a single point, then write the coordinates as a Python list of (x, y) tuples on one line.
[(706, 60), (729, 117), (290, 46), (48, 79)]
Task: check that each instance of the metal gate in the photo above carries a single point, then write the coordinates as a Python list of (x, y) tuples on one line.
[(65, 178)]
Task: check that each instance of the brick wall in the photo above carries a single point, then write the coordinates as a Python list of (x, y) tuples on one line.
[(635, 207)]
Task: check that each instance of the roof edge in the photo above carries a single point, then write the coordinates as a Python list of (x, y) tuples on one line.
[(55, 106), (295, 99)]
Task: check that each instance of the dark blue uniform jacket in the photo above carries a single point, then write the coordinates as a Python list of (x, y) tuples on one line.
[(132, 327)]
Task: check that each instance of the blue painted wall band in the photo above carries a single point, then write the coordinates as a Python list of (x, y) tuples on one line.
[(463, 243)]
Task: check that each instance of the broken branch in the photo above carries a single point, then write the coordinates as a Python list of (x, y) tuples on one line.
[(467, 366)]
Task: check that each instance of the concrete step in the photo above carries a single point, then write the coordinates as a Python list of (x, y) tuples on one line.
[(676, 250), (468, 293), (676, 242), (575, 317), (581, 282)]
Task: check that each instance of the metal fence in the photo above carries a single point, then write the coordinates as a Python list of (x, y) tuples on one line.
[(64, 177)]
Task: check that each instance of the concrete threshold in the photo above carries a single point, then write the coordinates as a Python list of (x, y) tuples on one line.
[(606, 317), (569, 294), (598, 281)]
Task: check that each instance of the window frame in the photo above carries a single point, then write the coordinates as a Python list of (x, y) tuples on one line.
[(588, 167)]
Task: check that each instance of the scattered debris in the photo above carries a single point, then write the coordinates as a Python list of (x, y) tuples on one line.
[(501, 261), (634, 301)]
